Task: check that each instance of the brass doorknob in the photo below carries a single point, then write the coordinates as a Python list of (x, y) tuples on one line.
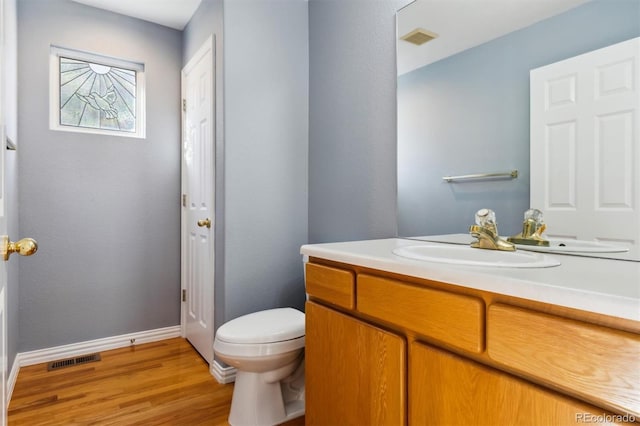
[(24, 247), (204, 222)]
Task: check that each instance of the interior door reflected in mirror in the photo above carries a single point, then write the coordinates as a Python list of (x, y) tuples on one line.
[(465, 104)]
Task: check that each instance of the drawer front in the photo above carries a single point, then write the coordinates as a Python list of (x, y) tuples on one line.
[(332, 285), (597, 363), (450, 318)]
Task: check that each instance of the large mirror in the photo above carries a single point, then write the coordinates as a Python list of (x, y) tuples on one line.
[(464, 102)]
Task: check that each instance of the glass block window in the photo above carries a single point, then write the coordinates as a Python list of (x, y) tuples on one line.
[(96, 94)]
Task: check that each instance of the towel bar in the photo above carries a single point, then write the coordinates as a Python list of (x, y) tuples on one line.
[(513, 174)]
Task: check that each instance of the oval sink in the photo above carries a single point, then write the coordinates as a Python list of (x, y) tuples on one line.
[(560, 245), (465, 255)]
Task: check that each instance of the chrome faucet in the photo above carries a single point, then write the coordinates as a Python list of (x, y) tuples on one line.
[(486, 232), (532, 228)]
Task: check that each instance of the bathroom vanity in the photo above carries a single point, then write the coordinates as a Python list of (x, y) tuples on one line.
[(392, 341)]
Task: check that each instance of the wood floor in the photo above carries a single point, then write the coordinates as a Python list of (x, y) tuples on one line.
[(161, 383)]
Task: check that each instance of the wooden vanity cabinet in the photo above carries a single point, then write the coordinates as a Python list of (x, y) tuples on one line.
[(384, 351)]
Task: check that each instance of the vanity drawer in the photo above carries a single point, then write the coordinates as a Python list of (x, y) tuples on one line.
[(450, 318), (336, 286), (597, 363)]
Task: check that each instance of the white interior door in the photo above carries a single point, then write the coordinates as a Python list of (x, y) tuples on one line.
[(585, 145), (197, 200), (3, 231)]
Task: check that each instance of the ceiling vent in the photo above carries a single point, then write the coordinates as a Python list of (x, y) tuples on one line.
[(419, 36)]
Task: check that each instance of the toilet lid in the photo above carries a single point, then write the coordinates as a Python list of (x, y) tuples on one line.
[(273, 325)]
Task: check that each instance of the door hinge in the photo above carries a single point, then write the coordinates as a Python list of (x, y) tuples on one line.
[(184, 295), (184, 105), (184, 200)]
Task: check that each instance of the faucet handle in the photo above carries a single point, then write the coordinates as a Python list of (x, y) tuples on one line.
[(485, 217), (535, 215)]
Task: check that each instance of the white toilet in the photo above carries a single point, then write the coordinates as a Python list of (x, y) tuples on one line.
[(267, 349)]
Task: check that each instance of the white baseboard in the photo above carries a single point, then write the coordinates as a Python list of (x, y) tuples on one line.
[(97, 345), (12, 377), (83, 348), (222, 374)]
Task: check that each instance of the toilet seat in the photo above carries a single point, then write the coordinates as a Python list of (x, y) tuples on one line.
[(264, 333), (252, 350), (270, 326)]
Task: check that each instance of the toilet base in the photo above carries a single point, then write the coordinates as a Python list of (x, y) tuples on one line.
[(257, 402)]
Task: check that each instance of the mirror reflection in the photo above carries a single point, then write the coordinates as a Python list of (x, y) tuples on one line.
[(464, 109)]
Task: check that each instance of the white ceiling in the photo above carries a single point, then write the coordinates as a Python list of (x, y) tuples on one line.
[(170, 13), (462, 24)]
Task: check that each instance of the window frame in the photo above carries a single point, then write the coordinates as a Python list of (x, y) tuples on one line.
[(54, 91)]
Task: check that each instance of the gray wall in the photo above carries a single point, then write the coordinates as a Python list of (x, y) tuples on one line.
[(470, 113), (266, 100), (104, 209), (352, 120), (264, 149)]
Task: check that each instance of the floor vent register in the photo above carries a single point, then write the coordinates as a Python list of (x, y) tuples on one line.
[(56, 365)]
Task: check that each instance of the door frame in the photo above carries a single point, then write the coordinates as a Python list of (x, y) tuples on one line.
[(208, 45)]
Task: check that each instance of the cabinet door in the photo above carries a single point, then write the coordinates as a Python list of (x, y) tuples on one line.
[(445, 389), (355, 373)]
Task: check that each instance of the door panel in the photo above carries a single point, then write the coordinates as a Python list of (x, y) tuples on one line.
[(585, 145), (198, 195)]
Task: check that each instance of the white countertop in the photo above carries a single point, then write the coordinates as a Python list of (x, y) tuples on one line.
[(604, 286)]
